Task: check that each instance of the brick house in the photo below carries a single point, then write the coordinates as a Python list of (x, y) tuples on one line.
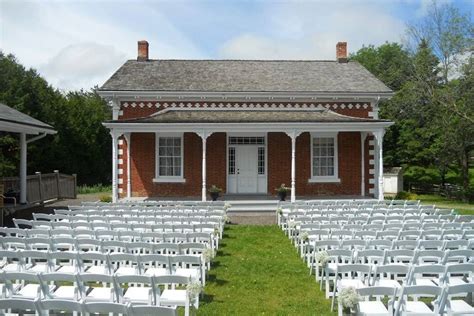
[(246, 126)]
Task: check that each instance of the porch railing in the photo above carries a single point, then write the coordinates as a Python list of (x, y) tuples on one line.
[(43, 187)]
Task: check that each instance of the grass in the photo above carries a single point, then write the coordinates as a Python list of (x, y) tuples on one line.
[(258, 272), (94, 189), (461, 207)]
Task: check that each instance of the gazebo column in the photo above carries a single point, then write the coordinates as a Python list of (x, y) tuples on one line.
[(23, 153), (293, 135), (363, 136), (128, 138), (204, 135), (114, 166), (379, 150)]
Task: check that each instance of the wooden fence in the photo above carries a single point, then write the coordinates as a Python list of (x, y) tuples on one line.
[(44, 187)]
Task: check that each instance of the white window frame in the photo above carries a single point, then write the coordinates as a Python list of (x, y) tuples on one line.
[(326, 179), (168, 179)]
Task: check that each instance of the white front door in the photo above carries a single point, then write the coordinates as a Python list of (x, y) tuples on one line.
[(247, 171)]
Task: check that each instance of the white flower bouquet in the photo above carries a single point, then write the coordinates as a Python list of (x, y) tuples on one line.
[(291, 224), (348, 297), (227, 206), (207, 255), (304, 236), (322, 257), (193, 289), (279, 211), (226, 218)]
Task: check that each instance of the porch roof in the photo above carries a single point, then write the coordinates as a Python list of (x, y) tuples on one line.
[(249, 116)]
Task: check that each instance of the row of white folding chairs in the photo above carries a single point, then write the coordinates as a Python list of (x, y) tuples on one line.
[(308, 252), (360, 275), (374, 258), (154, 202), (446, 300), (355, 202), (193, 266), (100, 288), (104, 246), (217, 217), (385, 226), (100, 225), (140, 212), (45, 307)]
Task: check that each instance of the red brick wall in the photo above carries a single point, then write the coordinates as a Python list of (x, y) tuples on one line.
[(143, 166), (279, 160)]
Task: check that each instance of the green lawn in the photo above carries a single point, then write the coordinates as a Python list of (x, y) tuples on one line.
[(461, 207), (258, 272)]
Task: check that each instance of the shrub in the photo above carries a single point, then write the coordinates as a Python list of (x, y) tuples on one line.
[(403, 195), (106, 198), (96, 188), (421, 175)]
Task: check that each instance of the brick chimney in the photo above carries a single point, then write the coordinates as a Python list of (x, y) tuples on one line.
[(341, 52), (142, 51)]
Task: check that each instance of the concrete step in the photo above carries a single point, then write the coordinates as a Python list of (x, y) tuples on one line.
[(259, 206)]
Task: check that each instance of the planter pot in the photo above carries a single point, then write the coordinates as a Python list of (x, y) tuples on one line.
[(282, 195), (214, 195)]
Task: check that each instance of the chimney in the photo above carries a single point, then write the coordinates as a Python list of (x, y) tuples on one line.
[(142, 51), (341, 52)]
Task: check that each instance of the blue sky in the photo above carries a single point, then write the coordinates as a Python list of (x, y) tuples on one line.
[(78, 44)]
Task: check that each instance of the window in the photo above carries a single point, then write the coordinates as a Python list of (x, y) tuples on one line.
[(169, 159), (231, 160), (261, 160), (324, 158), (235, 140)]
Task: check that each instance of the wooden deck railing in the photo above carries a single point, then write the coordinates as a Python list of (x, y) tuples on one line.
[(44, 187)]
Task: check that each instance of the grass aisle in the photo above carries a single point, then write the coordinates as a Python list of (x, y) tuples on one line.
[(258, 272)]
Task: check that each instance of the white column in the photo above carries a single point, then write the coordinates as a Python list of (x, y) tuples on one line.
[(379, 150), (204, 135), (114, 167), (128, 138), (23, 171), (204, 193), (363, 136), (293, 135)]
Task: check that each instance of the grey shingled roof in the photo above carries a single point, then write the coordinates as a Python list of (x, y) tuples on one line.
[(8, 114), (244, 76), (236, 116)]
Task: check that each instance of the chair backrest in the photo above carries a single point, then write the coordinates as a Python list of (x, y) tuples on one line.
[(59, 305), (417, 291), (148, 310), (417, 271), (105, 308), (18, 304), (399, 272), (377, 291)]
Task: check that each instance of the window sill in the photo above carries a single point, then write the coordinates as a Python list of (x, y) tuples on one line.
[(324, 180), (169, 180)]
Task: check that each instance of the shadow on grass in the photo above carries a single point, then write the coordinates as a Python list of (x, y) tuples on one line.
[(212, 278)]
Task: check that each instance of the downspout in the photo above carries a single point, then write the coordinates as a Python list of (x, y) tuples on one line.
[(23, 166)]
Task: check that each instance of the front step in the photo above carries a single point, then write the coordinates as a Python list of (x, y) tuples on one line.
[(256, 206)]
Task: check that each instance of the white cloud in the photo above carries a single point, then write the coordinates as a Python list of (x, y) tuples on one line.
[(310, 30), (80, 64)]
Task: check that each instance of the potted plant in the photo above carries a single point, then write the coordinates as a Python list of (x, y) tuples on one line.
[(282, 191), (214, 191)]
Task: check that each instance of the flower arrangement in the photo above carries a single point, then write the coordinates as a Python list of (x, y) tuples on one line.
[(348, 297), (291, 224), (304, 236), (283, 189), (217, 231), (322, 257), (279, 210), (227, 206), (193, 289), (226, 218), (214, 189), (207, 255)]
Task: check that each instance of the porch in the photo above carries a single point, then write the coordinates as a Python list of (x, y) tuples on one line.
[(317, 152)]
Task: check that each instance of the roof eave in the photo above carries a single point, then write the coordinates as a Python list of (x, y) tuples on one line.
[(17, 127), (202, 95)]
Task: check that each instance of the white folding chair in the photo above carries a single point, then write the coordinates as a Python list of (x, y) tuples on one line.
[(59, 306), (64, 262), (452, 306), (350, 275), (171, 295), (94, 263), (22, 285), (36, 261), (189, 266), (12, 261), (369, 307), (155, 264), (91, 291), (427, 274), (405, 307), (9, 305), (124, 264), (109, 308), (61, 286), (135, 289), (391, 275), (458, 274), (147, 310)]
